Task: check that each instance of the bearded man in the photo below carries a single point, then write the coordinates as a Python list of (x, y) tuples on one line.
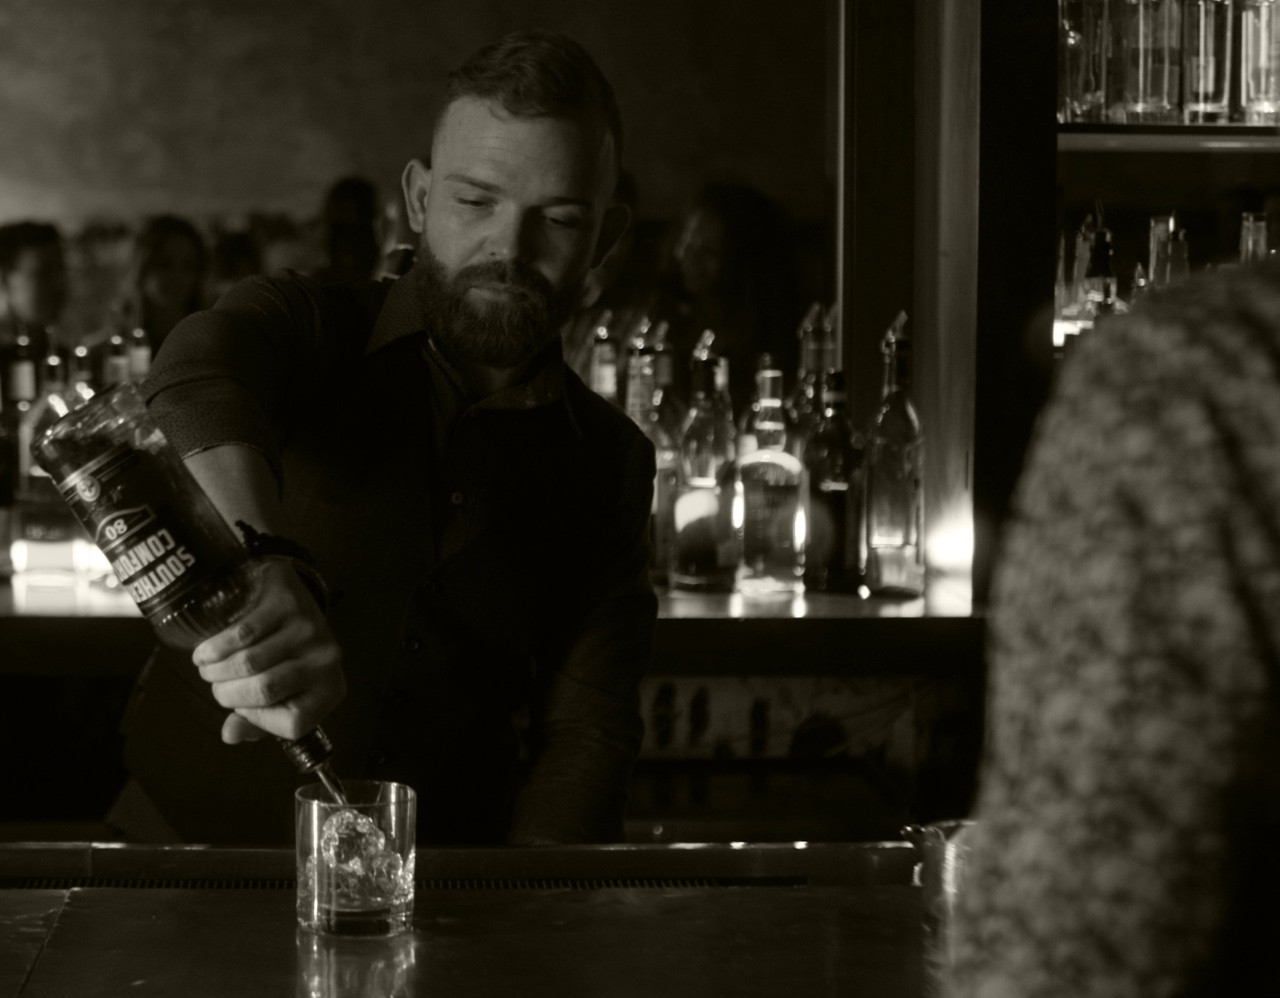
[(479, 517)]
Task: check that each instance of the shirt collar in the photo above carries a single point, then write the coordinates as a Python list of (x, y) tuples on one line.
[(400, 317)]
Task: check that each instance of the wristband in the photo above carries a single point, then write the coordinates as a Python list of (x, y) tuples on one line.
[(262, 545)]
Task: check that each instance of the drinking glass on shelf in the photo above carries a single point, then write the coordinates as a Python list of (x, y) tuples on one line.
[(1253, 237), (1179, 257), (1260, 62), (1083, 51), (1206, 61), (1148, 63)]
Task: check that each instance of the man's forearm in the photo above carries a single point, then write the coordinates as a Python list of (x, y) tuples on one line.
[(239, 482)]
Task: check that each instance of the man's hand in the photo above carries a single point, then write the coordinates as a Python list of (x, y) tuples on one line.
[(278, 668)]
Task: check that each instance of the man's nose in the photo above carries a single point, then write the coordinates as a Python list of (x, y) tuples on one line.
[(507, 237)]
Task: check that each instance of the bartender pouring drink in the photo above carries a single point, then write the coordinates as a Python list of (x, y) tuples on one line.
[(473, 516)]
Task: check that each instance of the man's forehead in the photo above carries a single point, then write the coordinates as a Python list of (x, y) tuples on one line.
[(482, 132)]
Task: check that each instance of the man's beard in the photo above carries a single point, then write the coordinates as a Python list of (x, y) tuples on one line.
[(502, 332)]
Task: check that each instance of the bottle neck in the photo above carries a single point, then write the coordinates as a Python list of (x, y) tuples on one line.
[(640, 386)]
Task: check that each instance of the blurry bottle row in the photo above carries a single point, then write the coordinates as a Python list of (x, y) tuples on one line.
[(1169, 61), (788, 495), (41, 381), (1093, 290)]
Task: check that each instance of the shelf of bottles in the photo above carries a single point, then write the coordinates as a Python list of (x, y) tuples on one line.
[(42, 546), (788, 496)]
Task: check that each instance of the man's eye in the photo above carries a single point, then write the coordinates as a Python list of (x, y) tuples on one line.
[(565, 221), (472, 202)]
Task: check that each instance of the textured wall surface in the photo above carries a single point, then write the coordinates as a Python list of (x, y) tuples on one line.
[(210, 107)]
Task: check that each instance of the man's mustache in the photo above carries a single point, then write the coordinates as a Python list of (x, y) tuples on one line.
[(509, 275)]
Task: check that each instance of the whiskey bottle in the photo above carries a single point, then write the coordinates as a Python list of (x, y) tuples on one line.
[(603, 362), (168, 546), (894, 482), (772, 532), (139, 351), (803, 404), (833, 464)]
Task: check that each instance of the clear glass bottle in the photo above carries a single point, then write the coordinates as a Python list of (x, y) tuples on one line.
[(747, 441), (1160, 232), (169, 547), (772, 532), (1253, 237), (894, 549), (641, 390), (21, 377), (603, 362), (803, 403), (833, 473), (1207, 53), (670, 407), (40, 519), (704, 550)]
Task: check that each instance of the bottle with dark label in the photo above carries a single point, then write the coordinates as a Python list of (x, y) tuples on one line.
[(833, 457), (168, 546)]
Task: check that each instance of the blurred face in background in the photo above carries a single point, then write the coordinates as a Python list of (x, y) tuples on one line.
[(174, 277), (699, 252), (35, 290)]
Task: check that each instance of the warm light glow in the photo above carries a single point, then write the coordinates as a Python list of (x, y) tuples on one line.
[(1062, 328), (738, 512), (18, 556), (950, 545), (88, 559), (801, 845), (800, 529), (737, 845)]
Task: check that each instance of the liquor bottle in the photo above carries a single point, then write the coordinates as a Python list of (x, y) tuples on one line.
[(804, 403), (139, 348), (772, 532), (169, 547), (670, 408), (80, 387), (1100, 298), (21, 381), (833, 466), (704, 551), (641, 378), (894, 553), (747, 441), (115, 364), (603, 363), (40, 517)]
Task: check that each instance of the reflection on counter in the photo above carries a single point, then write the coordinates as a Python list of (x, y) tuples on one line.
[(338, 967)]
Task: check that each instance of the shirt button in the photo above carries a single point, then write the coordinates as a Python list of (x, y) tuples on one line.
[(456, 498), (412, 644)]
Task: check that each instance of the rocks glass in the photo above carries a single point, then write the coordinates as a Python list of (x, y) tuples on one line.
[(356, 861)]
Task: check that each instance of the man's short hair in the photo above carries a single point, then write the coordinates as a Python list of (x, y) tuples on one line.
[(535, 74), (16, 237)]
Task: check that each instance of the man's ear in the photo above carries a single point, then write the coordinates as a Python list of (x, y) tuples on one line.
[(616, 219), (416, 183)]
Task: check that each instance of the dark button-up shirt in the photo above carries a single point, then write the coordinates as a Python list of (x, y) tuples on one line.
[(488, 561)]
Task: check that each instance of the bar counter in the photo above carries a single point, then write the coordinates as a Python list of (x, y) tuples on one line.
[(705, 920)]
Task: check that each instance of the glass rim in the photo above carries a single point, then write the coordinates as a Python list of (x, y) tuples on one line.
[(308, 795)]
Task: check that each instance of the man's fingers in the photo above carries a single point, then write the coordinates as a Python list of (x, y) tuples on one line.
[(253, 659), (266, 689), (291, 720), (253, 627), (237, 729)]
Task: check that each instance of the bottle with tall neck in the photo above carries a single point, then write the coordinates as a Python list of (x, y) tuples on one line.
[(666, 401), (603, 360), (833, 472), (804, 402), (772, 531), (704, 554), (641, 396), (894, 543)]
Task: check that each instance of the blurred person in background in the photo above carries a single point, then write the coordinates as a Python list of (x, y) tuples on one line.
[(235, 256), (607, 292), (731, 269), (166, 280), (349, 232), (33, 286), (1129, 800)]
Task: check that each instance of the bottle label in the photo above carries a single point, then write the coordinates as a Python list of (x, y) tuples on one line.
[(158, 554)]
